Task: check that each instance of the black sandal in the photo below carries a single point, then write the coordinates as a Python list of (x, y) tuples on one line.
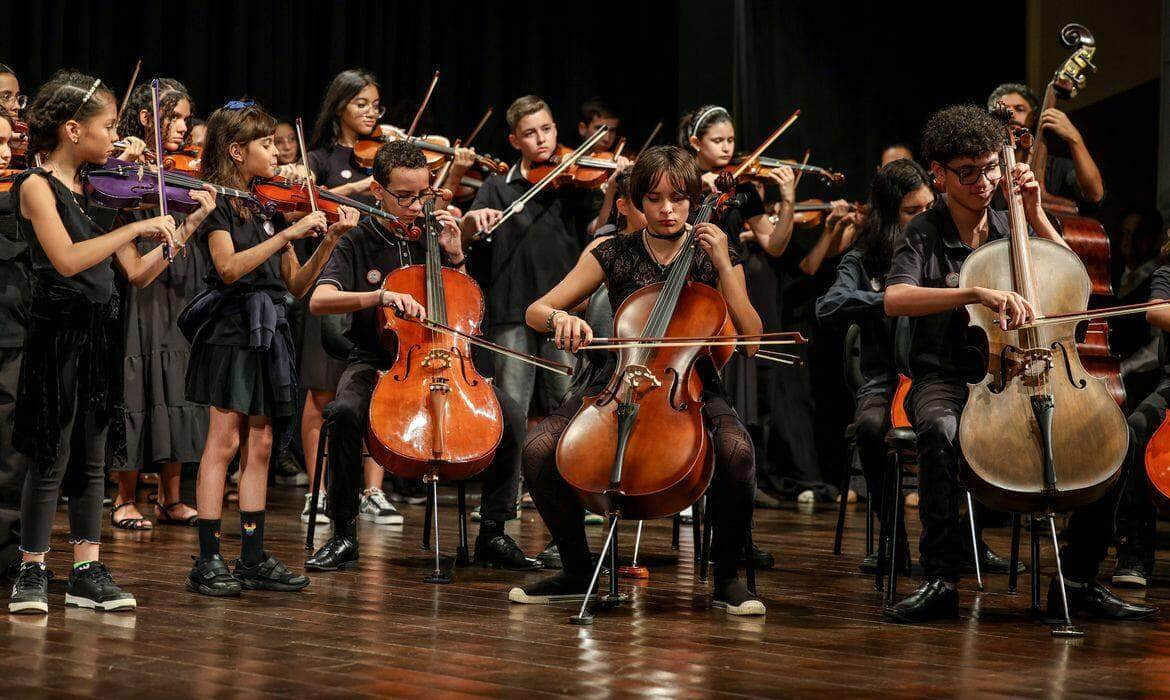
[(164, 517), (139, 524)]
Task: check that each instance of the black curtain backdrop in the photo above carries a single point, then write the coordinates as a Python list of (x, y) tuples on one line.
[(864, 73)]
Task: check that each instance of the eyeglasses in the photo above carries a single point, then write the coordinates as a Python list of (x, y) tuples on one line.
[(240, 104), (970, 174), (407, 200), (374, 108), (8, 97)]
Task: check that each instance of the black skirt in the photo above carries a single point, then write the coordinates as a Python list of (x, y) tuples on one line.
[(235, 379)]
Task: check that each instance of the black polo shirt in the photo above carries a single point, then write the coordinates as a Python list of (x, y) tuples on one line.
[(931, 255), (858, 296), (14, 291), (533, 250), (335, 165), (1060, 179), (360, 262)]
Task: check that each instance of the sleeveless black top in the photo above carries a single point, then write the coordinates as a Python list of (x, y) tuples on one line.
[(92, 286)]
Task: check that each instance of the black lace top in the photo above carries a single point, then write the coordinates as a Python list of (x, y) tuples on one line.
[(629, 266)]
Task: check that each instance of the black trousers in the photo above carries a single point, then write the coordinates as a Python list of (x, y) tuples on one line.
[(732, 487), (13, 465), (871, 422), (347, 417), (936, 404), (1136, 514)]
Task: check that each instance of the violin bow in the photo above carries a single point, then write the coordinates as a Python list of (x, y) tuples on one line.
[(650, 138), (518, 206), (305, 164), (803, 165), (475, 132), (129, 89), (549, 365), (422, 107), (168, 249), (747, 163)]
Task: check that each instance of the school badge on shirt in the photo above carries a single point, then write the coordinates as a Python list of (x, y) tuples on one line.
[(269, 228), (952, 279), (373, 277), (347, 173)]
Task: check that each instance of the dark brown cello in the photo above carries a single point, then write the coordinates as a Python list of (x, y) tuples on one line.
[(1085, 235)]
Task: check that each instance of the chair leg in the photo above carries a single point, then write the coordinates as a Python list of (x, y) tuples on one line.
[(697, 511), (869, 523), (750, 568), (843, 493), (705, 560), (316, 493), (1034, 530), (1013, 574), (676, 526), (884, 532), (462, 555)]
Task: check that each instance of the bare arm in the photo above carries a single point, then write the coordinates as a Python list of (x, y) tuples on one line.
[(745, 317), (69, 257), (299, 278)]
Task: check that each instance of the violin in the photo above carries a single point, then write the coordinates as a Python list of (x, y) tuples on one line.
[(612, 452), (586, 172), (1039, 434), (810, 213), (18, 144), (437, 149), (120, 184), (8, 178), (289, 196), (187, 160), (760, 169)]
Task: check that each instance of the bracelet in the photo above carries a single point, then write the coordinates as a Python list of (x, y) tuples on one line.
[(552, 319), (457, 263)]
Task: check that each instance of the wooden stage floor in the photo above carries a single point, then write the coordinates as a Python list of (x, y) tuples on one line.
[(381, 631)]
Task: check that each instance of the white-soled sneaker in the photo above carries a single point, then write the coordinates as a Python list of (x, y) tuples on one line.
[(322, 519), (735, 598), (377, 508)]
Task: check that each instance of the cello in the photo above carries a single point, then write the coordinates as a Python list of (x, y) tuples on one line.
[(1065, 435), (612, 452), (431, 415)]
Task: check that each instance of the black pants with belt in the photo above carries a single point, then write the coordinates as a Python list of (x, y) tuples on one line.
[(936, 404), (347, 417)]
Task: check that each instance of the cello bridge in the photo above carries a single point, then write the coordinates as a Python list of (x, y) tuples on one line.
[(1036, 362), (437, 360), (639, 378)]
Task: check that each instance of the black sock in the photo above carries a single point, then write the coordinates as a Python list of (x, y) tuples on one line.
[(252, 537), (208, 538)]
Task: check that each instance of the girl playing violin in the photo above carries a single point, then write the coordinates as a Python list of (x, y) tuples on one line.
[(664, 183), (350, 110), (71, 384), (241, 352), (899, 192), (162, 427)]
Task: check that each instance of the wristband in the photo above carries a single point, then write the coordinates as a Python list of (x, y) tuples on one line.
[(552, 318)]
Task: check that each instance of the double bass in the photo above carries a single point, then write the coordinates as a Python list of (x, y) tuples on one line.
[(1085, 235)]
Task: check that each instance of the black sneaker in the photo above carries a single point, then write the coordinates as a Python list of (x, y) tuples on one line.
[(212, 577), (559, 588), (269, 575), (92, 586), (734, 597), (30, 592), (1130, 572), (499, 551)]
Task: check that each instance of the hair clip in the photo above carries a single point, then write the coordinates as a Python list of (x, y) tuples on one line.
[(240, 104)]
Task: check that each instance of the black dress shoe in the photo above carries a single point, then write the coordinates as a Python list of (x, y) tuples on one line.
[(550, 558), (338, 552), (497, 550), (1095, 600), (992, 563), (932, 601)]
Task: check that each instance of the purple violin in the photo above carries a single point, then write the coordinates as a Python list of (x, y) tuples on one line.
[(120, 184)]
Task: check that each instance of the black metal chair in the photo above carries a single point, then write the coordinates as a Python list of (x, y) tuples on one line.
[(854, 380)]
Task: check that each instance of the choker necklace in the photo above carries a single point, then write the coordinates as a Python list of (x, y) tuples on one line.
[(667, 236)]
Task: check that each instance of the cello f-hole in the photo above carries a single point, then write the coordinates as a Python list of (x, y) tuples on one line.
[(407, 364), (463, 359), (676, 387), (1078, 383)]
